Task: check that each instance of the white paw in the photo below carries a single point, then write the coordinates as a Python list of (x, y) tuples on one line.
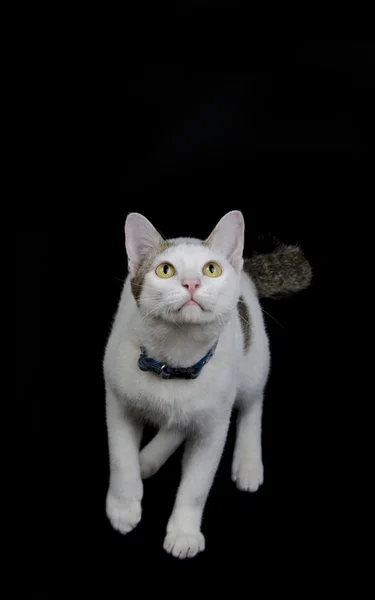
[(124, 515), (148, 466), (247, 473), (184, 545)]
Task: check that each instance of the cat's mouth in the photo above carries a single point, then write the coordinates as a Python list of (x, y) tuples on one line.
[(191, 302), (191, 311)]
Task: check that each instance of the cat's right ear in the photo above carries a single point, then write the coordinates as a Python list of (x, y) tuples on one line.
[(228, 238), (141, 240)]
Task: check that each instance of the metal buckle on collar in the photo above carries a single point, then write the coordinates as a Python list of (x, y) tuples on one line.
[(164, 374)]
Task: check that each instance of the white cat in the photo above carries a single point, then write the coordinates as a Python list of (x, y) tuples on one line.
[(184, 300)]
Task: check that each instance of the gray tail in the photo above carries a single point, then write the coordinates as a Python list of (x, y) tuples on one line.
[(280, 273)]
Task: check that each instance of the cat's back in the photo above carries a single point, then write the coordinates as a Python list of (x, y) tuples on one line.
[(127, 308), (256, 353), (251, 308), (125, 316)]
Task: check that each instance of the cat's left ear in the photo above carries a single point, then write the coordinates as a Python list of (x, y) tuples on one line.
[(228, 238), (141, 240)]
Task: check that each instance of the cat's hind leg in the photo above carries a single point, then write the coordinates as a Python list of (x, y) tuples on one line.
[(158, 450), (247, 465)]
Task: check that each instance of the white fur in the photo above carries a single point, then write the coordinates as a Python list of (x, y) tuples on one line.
[(198, 411)]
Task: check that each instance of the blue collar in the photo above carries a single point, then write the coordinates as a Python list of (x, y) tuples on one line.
[(146, 363)]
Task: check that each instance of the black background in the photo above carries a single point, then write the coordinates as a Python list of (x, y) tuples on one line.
[(281, 133)]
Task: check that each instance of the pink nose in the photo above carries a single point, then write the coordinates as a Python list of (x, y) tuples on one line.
[(191, 284)]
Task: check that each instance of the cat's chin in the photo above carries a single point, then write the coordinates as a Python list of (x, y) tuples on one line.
[(190, 314)]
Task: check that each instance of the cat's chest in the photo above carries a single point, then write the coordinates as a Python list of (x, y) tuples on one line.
[(175, 401)]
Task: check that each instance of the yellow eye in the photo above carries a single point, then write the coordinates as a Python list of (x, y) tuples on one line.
[(165, 270), (212, 269)]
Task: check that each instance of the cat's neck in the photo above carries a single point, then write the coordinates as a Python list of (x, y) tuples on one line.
[(177, 346)]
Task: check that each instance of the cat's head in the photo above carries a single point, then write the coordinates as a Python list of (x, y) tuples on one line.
[(185, 280)]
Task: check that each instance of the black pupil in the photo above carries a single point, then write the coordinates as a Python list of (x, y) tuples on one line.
[(212, 268), (165, 269)]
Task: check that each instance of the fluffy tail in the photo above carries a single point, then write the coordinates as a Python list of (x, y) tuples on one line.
[(280, 273)]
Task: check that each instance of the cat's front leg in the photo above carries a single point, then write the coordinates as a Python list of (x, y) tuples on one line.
[(123, 503), (200, 462), (158, 450)]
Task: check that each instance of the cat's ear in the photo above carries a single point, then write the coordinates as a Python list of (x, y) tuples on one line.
[(228, 238), (141, 240)]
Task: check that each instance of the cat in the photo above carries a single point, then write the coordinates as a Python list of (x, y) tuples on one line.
[(188, 345)]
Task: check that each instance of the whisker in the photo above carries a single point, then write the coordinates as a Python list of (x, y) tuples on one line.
[(220, 317), (149, 313), (175, 323), (243, 318), (151, 297), (244, 302), (276, 321), (162, 235)]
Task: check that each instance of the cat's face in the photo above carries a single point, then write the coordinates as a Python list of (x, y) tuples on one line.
[(190, 284), (186, 280)]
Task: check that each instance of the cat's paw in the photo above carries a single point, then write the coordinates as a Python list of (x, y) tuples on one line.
[(184, 545), (124, 515), (248, 474), (147, 465)]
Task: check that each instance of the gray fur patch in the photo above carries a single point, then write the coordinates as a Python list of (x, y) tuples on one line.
[(243, 313), (136, 282), (280, 273)]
